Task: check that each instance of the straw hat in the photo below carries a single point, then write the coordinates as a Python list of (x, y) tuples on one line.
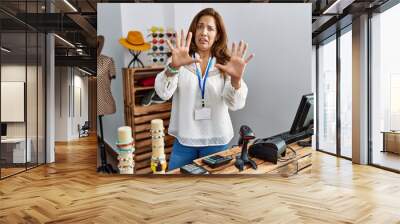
[(134, 41)]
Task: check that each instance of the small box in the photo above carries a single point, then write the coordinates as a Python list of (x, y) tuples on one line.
[(193, 169)]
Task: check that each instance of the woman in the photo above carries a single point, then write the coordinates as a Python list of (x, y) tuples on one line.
[(205, 81)]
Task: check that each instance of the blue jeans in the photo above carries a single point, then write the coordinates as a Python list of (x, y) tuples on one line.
[(182, 155)]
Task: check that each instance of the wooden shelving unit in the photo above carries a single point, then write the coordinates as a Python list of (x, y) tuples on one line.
[(138, 117)]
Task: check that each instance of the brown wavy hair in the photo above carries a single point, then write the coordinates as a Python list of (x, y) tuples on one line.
[(219, 49)]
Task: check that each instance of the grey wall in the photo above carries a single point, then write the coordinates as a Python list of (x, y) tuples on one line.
[(360, 90), (61, 101), (278, 34), (280, 73)]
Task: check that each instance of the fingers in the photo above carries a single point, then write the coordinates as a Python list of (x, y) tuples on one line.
[(244, 50), (177, 40), (171, 47), (188, 40), (249, 58), (221, 67), (240, 49), (182, 38)]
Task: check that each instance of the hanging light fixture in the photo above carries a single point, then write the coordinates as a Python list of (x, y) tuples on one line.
[(5, 50), (64, 40), (70, 5)]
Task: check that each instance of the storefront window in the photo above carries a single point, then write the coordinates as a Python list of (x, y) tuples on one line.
[(327, 96), (22, 90), (385, 89), (346, 93)]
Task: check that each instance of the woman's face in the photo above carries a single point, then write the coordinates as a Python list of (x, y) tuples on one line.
[(206, 33)]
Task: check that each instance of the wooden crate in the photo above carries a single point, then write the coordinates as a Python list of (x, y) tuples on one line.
[(139, 117)]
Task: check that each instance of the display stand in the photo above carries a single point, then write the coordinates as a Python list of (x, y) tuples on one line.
[(135, 61), (104, 167)]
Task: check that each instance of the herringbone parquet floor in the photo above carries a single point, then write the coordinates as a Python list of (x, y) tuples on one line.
[(70, 191)]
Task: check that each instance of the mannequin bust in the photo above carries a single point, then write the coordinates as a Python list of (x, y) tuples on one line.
[(105, 73)]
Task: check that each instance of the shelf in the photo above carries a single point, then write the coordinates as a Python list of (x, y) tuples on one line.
[(142, 135), (147, 142), (146, 127), (146, 156), (148, 118), (142, 88), (138, 117), (145, 69), (148, 148), (141, 73), (144, 110)]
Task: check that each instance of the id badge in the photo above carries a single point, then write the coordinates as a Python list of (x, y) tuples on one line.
[(203, 113)]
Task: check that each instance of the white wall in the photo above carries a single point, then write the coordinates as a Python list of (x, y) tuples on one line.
[(61, 103), (109, 24), (279, 35), (33, 126), (67, 79), (141, 17), (17, 73), (79, 117)]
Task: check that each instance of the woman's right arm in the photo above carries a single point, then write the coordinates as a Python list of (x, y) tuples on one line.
[(167, 81), (166, 84)]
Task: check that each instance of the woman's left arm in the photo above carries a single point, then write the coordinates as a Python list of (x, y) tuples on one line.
[(235, 98), (235, 90)]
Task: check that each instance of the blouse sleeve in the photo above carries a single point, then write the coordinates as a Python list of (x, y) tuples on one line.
[(234, 98), (166, 86)]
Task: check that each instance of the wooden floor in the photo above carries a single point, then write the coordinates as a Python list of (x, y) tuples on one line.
[(5, 172), (70, 191), (386, 159)]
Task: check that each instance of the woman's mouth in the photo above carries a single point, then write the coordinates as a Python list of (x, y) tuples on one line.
[(203, 41)]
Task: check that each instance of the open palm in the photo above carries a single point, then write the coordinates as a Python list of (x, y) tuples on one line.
[(236, 65), (180, 53)]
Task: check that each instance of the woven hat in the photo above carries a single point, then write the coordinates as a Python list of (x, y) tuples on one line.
[(134, 41)]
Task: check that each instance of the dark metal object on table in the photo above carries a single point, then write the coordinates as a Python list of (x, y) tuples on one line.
[(135, 62), (269, 149), (104, 167), (246, 134)]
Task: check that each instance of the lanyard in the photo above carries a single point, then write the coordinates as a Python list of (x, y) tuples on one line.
[(203, 86)]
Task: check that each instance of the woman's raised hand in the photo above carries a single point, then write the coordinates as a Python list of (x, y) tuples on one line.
[(236, 65), (180, 53)]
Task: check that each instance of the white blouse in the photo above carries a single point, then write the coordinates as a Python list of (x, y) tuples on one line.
[(220, 96)]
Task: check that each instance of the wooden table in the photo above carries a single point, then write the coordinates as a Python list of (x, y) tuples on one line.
[(302, 160), (391, 141)]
